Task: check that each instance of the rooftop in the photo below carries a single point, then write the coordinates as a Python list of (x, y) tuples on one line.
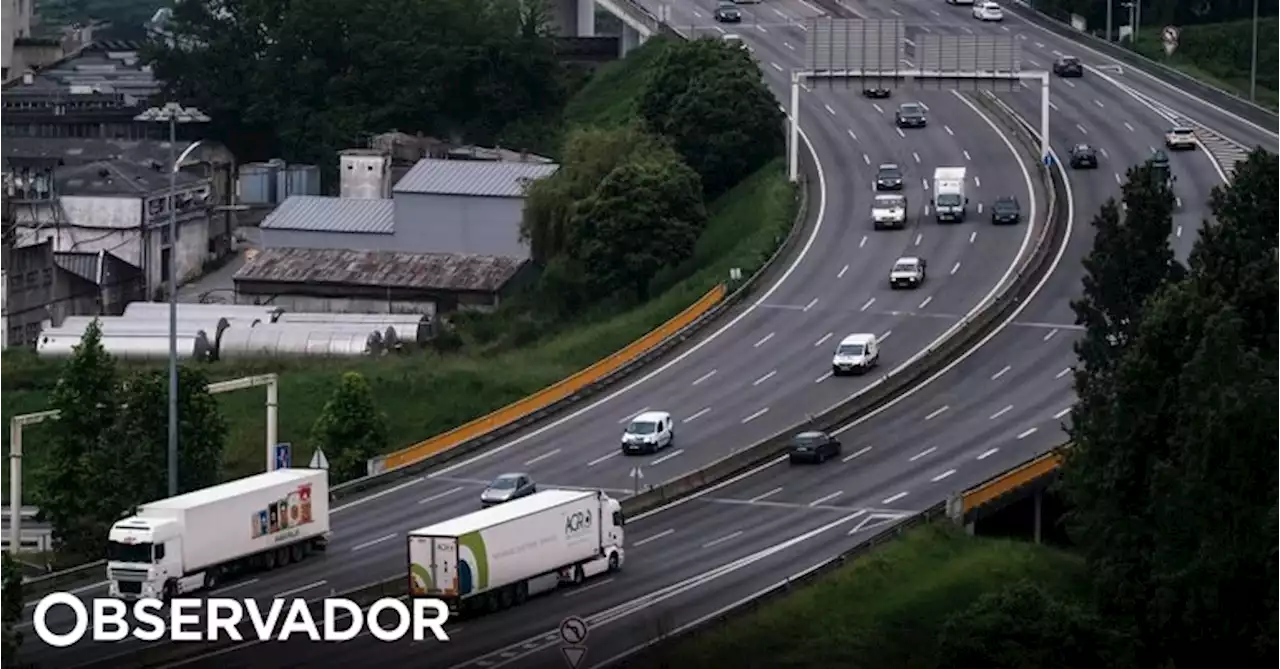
[(316, 213), (111, 68), (433, 176), (78, 151), (381, 269), (114, 177)]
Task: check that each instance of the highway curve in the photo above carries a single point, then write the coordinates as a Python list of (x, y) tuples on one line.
[(761, 371)]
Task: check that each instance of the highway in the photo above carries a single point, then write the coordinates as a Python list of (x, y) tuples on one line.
[(764, 370)]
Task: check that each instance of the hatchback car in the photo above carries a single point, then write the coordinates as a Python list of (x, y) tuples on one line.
[(1006, 210), (1083, 156), (889, 177), (727, 12), (987, 11), (815, 447), (911, 115), (1180, 139), (508, 487), (1068, 67)]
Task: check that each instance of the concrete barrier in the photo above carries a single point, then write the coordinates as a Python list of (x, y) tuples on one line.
[(67, 579)]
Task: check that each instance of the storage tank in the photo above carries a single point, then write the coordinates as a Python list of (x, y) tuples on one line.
[(120, 324), (129, 347), (298, 180), (234, 313), (257, 183), (279, 340), (397, 329)]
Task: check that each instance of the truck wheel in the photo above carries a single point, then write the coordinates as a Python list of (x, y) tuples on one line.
[(211, 578), (169, 591), (522, 592), (613, 562), (507, 596), (282, 556), (297, 552), (578, 575), (269, 560)]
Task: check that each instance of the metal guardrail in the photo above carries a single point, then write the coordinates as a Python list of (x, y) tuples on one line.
[(975, 500), (68, 579)]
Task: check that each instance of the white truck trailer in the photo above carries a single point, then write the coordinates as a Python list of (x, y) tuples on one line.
[(502, 555), (949, 201), (190, 542)]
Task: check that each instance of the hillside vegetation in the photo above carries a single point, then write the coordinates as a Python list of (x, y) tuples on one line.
[(1219, 54)]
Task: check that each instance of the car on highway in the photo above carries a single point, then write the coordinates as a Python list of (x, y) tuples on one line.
[(813, 446), (727, 12), (908, 272), (508, 487), (888, 177), (1006, 210), (888, 210), (1180, 138), (648, 432), (1083, 156), (1068, 67), (875, 92), (911, 115), (987, 11), (855, 354), (731, 38), (747, 2)]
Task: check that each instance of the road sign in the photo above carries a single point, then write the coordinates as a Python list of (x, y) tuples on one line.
[(318, 460), (637, 475), (573, 632), (1169, 36), (573, 655), (284, 455)]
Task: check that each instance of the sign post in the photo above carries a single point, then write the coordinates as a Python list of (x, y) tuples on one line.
[(284, 456), (573, 633), (636, 477)]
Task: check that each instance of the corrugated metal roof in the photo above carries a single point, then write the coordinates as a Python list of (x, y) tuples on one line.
[(80, 263), (468, 177), (316, 213), (382, 269)]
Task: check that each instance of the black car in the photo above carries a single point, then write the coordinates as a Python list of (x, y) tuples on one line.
[(875, 92), (813, 447), (911, 115), (1006, 210), (1068, 66), (726, 12), (889, 177), (1084, 156)]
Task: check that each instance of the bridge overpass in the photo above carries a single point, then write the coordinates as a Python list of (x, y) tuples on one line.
[(577, 18)]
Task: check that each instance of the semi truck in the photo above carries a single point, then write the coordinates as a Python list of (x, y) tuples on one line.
[(949, 200), (194, 541), (500, 556)]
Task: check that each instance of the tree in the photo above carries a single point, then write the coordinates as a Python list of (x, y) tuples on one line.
[(85, 397), (1022, 626), (647, 214), (13, 605), (710, 98), (350, 429)]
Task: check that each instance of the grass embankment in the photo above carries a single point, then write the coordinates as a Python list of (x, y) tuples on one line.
[(882, 610), (1218, 54), (426, 394)]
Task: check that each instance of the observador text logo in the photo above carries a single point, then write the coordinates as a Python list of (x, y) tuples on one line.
[(330, 619)]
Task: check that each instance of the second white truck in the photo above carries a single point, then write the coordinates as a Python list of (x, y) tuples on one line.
[(950, 204), (193, 541), (501, 556)]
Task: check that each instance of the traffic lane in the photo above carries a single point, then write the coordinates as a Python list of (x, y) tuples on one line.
[(662, 562)]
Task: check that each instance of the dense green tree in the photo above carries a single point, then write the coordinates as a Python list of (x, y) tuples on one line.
[(85, 397), (647, 214), (12, 607), (350, 429), (710, 98), (1023, 626), (301, 80)]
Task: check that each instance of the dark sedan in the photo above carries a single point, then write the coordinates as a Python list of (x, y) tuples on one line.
[(1006, 210), (1084, 156), (875, 92), (889, 177), (726, 12), (813, 447), (1068, 66), (911, 115)]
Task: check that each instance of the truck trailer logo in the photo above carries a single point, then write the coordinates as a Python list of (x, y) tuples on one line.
[(577, 522), (290, 512)]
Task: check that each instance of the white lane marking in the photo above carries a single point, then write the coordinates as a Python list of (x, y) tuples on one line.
[(1103, 151), (756, 415), (379, 494), (764, 339), (1099, 103), (374, 542), (657, 461), (922, 454), (943, 475), (988, 453), (631, 416), (1002, 412), (440, 495), (840, 274), (822, 340), (937, 412), (955, 268), (1060, 414), (1064, 372), (866, 159), (926, 302), (1050, 335), (810, 305), (301, 588), (1003, 370), (853, 135), (789, 46), (1178, 232), (219, 591), (977, 183), (1081, 129), (966, 155), (704, 377), (825, 375), (1069, 83), (549, 454), (764, 378), (867, 305), (1118, 179), (893, 498), (900, 134), (949, 132), (1053, 106), (879, 110), (696, 415), (765, 495), (858, 453), (829, 109), (664, 533), (919, 236), (583, 588), (612, 454), (916, 156), (727, 537), (885, 335), (862, 242), (761, 28), (1028, 432), (776, 66), (924, 183), (826, 498), (1129, 127), (972, 236)]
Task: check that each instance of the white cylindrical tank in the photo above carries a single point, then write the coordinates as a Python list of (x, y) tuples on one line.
[(407, 328), (190, 310), (120, 325), (277, 339), (130, 347)]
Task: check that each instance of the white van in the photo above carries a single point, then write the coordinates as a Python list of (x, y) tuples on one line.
[(855, 354), (649, 432)]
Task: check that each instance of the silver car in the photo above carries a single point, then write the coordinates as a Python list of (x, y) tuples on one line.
[(508, 487)]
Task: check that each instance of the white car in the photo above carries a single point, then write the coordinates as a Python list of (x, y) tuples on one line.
[(856, 354), (908, 272), (734, 39), (1180, 138), (649, 432), (888, 210), (987, 11)]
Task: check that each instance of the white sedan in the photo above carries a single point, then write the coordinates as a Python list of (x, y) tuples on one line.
[(987, 11)]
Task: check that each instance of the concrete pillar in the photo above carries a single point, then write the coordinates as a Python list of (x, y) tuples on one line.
[(1039, 499), (629, 40), (586, 18)]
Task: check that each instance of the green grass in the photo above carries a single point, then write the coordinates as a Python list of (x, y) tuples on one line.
[(882, 610), (1218, 54), (609, 99)]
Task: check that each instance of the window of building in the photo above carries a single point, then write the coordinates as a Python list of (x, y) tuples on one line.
[(48, 276), (32, 279)]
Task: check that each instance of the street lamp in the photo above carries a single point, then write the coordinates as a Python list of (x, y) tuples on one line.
[(173, 114), (1253, 57)]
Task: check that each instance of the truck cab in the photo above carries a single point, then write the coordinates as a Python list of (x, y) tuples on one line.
[(143, 555), (950, 204)]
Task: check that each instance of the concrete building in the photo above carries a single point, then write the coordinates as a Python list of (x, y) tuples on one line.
[(336, 280), (15, 24)]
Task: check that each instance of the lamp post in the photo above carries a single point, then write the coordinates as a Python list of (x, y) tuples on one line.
[(173, 114), (1253, 57)]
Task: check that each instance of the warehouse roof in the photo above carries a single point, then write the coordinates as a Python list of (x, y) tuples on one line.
[(382, 269), (315, 213), (431, 176)]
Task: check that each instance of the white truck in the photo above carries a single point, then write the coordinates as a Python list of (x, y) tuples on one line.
[(888, 211), (949, 200), (500, 556), (190, 542)]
